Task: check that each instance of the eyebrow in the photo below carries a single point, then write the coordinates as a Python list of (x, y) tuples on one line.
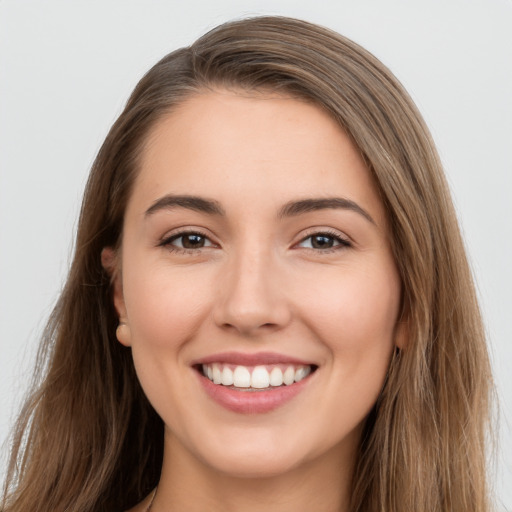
[(310, 205), (198, 204), (291, 209)]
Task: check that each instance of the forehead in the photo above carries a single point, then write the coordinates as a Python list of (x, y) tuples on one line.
[(243, 148)]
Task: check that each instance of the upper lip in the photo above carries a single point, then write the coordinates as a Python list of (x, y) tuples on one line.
[(255, 359)]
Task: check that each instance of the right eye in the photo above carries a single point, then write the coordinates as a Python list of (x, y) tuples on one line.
[(187, 241)]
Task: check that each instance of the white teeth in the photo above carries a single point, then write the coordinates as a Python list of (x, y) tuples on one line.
[(227, 376), (302, 372), (289, 376), (259, 378), (217, 374), (276, 377), (241, 377)]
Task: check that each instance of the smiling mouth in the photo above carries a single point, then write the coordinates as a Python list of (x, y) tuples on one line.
[(255, 378)]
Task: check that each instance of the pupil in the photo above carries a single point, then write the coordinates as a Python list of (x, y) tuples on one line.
[(193, 241), (322, 242)]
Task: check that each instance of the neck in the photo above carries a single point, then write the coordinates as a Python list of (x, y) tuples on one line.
[(321, 484)]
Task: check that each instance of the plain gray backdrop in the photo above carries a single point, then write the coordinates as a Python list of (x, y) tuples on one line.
[(66, 69)]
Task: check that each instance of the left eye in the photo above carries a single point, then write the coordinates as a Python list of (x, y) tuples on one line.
[(323, 241), (188, 241)]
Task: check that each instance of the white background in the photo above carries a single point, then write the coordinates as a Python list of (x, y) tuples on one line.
[(66, 69)]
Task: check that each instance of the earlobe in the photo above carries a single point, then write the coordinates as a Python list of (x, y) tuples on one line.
[(110, 262), (123, 334)]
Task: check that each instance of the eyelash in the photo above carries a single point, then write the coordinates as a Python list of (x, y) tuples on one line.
[(343, 243), (167, 242)]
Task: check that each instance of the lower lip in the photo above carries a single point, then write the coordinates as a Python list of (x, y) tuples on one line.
[(252, 402)]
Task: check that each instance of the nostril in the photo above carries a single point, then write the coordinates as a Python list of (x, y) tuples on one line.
[(248, 327)]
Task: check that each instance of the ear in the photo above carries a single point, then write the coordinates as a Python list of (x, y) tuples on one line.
[(111, 264), (402, 332)]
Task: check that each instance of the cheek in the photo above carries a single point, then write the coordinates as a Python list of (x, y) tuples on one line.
[(163, 305), (354, 313), (165, 309), (159, 297), (354, 316)]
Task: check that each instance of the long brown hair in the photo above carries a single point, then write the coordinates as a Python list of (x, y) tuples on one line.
[(87, 438)]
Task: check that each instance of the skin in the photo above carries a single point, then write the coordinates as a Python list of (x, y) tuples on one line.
[(258, 285)]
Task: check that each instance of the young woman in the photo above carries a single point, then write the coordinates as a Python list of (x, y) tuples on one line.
[(269, 307)]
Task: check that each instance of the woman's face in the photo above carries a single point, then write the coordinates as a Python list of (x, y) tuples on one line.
[(256, 249)]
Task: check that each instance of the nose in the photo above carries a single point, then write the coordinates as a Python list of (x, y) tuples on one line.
[(252, 296)]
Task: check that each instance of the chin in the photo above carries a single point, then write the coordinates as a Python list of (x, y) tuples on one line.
[(260, 455)]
